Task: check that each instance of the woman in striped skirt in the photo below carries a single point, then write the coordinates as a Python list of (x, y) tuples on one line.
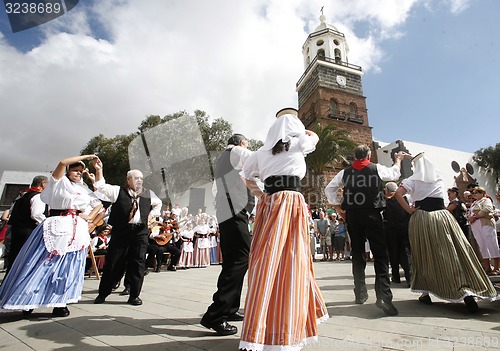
[(284, 304), (443, 262)]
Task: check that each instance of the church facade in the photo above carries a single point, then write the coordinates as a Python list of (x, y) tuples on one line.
[(330, 92)]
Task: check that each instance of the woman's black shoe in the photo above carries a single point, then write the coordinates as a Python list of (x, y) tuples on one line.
[(60, 312), (27, 312), (425, 299), (471, 304)]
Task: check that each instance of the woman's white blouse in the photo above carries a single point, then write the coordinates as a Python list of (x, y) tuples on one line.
[(419, 190), (63, 194), (201, 229), (263, 163)]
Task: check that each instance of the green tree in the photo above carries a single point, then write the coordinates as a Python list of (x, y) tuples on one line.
[(113, 152), (215, 134), (489, 159), (159, 147), (150, 122), (254, 144), (333, 147)]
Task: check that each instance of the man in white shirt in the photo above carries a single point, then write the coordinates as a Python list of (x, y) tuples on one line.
[(361, 206), (133, 206)]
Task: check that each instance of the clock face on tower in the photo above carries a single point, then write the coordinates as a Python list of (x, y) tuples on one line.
[(341, 80)]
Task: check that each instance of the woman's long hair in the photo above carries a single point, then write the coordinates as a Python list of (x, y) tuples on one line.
[(280, 146)]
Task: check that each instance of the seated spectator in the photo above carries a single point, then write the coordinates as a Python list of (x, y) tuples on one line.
[(160, 241), (100, 241)]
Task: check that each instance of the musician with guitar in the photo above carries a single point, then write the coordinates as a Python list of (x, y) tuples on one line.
[(161, 240)]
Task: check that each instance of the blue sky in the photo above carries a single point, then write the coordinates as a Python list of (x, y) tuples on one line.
[(438, 84), (430, 69)]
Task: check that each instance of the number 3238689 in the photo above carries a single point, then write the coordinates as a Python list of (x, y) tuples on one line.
[(33, 8)]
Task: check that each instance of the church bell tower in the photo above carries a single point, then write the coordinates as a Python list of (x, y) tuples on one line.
[(330, 91)]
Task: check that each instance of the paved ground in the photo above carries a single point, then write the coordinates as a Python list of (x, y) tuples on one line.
[(174, 302)]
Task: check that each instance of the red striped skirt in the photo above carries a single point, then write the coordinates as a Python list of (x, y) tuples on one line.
[(284, 304)]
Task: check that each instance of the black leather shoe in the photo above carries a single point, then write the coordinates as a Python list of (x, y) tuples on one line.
[(99, 299), (221, 328), (396, 280), (387, 307), (136, 301), (116, 286), (60, 312), (426, 299), (27, 312), (471, 304), (361, 299), (235, 317), (171, 268), (125, 291)]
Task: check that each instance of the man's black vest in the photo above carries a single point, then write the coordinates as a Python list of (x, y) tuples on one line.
[(394, 213), (362, 188), (232, 194), (21, 212), (120, 210)]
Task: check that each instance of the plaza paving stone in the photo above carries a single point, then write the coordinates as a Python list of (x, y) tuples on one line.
[(175, 301)]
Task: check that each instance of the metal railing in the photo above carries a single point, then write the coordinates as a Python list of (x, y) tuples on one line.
[(329, 60), (339, 115), (346, 116)]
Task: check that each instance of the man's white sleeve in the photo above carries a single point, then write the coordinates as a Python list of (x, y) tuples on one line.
[(333, 187), (37, 209)]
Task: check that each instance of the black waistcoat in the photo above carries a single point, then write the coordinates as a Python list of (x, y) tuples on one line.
[(21, 212), (362, 188), (120, 210), (231, 191)]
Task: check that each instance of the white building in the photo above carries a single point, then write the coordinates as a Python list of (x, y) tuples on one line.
[(12, 182)]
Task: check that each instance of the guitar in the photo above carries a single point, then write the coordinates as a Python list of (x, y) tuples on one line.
[(95, 218), (163, 239), (167, 229)]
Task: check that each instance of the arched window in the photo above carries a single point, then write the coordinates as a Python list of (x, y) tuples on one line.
[(353, 114), (353, 110), (338, 56), (321, 53), (333, 108)]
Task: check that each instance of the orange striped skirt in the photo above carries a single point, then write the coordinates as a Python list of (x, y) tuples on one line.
[(284, 304)]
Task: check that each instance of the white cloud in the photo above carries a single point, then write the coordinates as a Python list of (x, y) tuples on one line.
[(458, 6), (238, 60)]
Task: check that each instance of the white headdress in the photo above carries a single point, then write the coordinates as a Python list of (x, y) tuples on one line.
[(286, 126), (423, 169)]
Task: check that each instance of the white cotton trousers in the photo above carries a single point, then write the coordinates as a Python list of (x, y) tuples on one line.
[(486, 238)]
